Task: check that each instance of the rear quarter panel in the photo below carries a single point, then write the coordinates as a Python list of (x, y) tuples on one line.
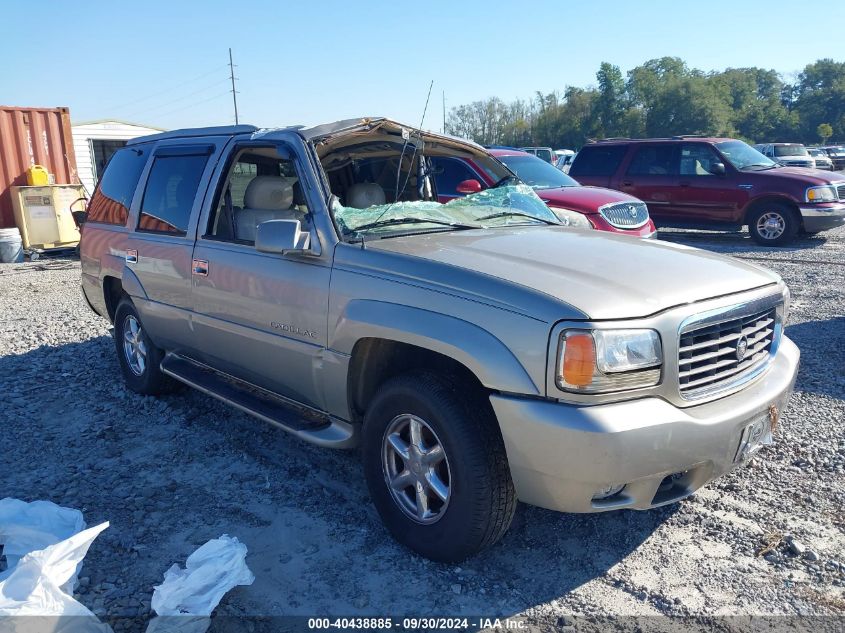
[(102, 254)]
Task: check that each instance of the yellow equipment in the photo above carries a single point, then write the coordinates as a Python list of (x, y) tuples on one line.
[(37, 176), (43, 215)]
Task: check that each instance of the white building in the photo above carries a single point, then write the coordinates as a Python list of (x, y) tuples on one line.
[(94, 142)]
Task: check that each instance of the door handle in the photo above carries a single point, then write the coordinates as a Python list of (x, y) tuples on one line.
[(627, 183), (131, 256), (683, 184), (200, 267)]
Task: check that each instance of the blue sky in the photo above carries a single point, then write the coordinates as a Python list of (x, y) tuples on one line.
[(164, 63)]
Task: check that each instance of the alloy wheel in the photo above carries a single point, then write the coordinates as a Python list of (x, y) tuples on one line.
[(771, 225), (416, 468), (134, 346)]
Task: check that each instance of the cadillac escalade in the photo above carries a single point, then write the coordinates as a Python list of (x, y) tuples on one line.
[(478, 352)]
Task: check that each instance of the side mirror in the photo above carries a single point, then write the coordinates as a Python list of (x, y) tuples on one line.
[(281, 236), (468, 186), (717, 169)]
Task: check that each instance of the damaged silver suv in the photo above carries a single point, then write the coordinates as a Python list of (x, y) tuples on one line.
[(478, 352)]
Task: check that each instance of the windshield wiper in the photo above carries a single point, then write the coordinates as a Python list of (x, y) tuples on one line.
[(504, 180), (504, 214), (400, 221)]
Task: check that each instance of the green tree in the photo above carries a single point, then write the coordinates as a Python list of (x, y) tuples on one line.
[(611, 101), (688, 105), (663, 97), (825, 131), (820, 96)]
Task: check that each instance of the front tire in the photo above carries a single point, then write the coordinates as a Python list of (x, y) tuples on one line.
[(436, 467), (139, 359), (773, 224)]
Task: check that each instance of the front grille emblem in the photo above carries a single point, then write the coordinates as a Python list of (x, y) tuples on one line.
[(741, 348), (632, 211)]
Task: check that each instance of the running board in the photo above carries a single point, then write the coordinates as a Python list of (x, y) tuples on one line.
[(308, 424)]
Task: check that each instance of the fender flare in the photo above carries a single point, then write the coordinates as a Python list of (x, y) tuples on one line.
[(131, 284), (488, 358)]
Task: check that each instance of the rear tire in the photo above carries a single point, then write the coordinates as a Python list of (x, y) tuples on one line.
[(139, 359), (773, 224), (457, 462)]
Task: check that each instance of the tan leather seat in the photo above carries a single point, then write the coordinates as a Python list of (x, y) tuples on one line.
[(365, 194), (266, 198)]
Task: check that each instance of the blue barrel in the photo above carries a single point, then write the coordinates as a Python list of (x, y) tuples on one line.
[(11, 246)]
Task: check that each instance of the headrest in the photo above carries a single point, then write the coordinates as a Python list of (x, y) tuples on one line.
[(364, 194), (269, 192)]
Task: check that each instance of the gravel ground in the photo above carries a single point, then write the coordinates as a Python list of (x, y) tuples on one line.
[(171, 473)]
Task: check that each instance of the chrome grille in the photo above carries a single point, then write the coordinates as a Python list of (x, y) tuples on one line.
[(625, 215), (709, 358), (840, 190)]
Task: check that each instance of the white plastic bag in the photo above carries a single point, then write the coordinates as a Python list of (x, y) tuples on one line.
[(34, 585), (209, 573), (27, 527)]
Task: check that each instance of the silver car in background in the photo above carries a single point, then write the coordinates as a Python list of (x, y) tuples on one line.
[(787, 154)]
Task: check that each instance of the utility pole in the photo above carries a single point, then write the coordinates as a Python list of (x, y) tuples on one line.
[(234, 92), (444, 112)]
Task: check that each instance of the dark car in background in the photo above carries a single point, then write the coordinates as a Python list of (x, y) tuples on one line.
[(836, 153), (715, 183), (577, 206)]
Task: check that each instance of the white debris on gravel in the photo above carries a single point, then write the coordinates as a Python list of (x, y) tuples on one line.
[(209, 573), (174, 472)]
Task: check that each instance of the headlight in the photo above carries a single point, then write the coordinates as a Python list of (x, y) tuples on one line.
[(825, 193), (599, 361), (572, 218)]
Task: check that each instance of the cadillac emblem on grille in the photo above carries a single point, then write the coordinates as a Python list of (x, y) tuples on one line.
[(632, 210), (741, 347)]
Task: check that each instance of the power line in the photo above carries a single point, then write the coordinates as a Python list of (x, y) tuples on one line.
[(166, 90), (191, 105), (177, 99)]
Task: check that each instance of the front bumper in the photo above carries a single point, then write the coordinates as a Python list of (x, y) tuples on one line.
[(561, 454), (820, 217)]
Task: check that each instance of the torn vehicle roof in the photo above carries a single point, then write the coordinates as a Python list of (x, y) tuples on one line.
[(313, 133)]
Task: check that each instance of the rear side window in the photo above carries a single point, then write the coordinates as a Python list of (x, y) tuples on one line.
[(111, 200), (448, 172), (654, 160), (170, 192), (598, 161)]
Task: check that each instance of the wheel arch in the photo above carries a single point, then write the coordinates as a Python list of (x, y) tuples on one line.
[(383, 338), (757, 203)]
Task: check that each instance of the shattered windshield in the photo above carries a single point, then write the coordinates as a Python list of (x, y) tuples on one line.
[(500, 206)]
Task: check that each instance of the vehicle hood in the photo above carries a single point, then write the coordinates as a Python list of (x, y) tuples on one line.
[(583, 199), (603, 275), (805, 175)]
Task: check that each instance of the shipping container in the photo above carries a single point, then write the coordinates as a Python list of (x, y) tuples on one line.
[(33, 136)]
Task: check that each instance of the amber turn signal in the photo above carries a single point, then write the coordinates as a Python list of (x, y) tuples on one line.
[(579, 359)]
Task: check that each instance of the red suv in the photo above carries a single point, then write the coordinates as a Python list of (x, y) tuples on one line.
[(716, 183), (584, 207)]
